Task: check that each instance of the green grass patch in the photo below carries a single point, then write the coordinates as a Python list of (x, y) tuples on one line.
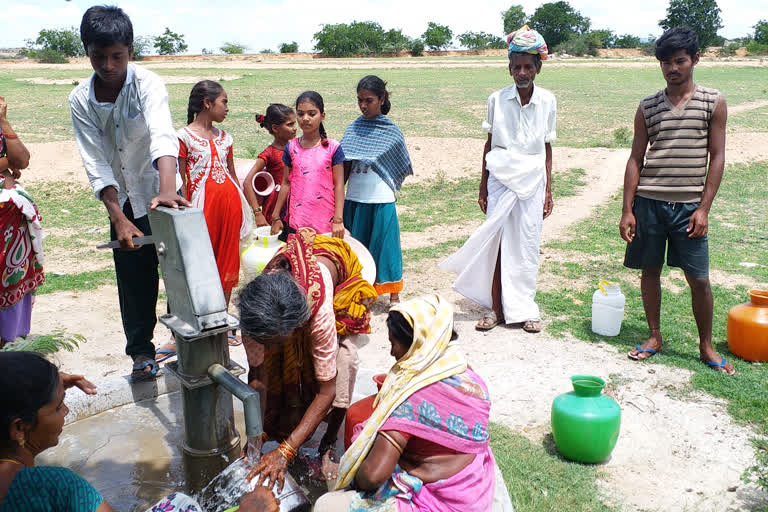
[(432, 251), (538, 480), (568, 183), (738, 233), (77, 282), (439, 201), (593, 101)]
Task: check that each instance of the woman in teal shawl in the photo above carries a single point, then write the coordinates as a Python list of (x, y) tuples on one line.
[(32, 413), (377, 163)]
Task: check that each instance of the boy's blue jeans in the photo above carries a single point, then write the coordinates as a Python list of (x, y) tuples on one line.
[(137, 286)]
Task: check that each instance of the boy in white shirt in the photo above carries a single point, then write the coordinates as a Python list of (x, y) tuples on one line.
[(129, 148)]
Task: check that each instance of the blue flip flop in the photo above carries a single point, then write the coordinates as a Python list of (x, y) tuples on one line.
[(139, 367), (641, 350), (167, 355), (720, 367)]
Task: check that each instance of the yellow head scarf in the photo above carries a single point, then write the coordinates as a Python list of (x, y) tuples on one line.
[(431, 358)]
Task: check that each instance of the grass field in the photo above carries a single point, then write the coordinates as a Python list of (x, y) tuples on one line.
[(429, 102)]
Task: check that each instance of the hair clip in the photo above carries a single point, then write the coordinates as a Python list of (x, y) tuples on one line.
[(260, 118)]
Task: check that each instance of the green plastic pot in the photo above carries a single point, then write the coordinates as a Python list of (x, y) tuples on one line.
[(585, 423)]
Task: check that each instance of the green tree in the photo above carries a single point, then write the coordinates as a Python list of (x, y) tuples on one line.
[(64, 41), (481, 41), (291, 47), (437, 36), (170, 43), (416, 47), (627, 41), (141, 47), (558, 21), (395, 41), (761, 31), (606, 37), (513, 18), (701, 16), (356, 38), (233, 48)]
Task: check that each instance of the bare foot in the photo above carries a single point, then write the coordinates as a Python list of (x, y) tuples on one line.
[(394, 298), (330, 465), (647, 349)]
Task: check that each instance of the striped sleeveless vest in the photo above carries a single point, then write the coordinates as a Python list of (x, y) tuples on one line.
[(675, 167)]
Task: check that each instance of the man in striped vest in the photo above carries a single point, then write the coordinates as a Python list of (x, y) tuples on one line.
[(668, 190)]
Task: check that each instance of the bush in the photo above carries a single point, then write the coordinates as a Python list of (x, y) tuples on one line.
[(627, 41), (206, 51), (141, 47), (267, 50), (233, 48), (170, 43), (62, 41), (622, 137), (291, 47), (755, 48), (582, 44), (395, 41), (729, 50), (417, 47), (47, 56), (481, 41)]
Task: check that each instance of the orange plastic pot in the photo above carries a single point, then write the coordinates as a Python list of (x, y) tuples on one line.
[(748, 327), (360, 411)]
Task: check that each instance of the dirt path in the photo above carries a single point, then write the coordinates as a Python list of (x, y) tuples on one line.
[(687, 441)]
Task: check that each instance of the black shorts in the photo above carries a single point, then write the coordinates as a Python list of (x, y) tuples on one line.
[(659, 222)]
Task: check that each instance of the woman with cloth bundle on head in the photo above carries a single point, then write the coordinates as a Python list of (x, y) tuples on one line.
[(377, 163), (425, 447), (296, 318)]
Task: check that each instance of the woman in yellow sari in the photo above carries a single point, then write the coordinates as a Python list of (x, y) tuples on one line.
[(295, 318)]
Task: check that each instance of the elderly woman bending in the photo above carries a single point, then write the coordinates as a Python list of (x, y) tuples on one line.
[(295, 318), (425, 447)]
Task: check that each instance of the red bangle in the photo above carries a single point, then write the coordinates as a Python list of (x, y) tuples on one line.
[(9, 135)]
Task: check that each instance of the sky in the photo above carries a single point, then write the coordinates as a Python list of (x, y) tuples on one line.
[(262, 24)]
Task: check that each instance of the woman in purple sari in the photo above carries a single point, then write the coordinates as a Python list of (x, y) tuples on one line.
[(425, 447)]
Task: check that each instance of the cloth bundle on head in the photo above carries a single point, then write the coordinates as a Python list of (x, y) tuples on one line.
[(431, 358), (526, 40)]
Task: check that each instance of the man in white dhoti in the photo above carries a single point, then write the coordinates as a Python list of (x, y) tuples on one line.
[(499, 264)]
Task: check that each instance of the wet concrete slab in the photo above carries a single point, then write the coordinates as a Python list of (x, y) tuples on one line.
[(132, 454)]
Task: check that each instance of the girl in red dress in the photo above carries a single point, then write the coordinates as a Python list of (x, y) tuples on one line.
[(280, 122), (210, 183)]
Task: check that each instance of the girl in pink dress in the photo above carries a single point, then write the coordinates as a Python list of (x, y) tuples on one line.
[(313, 177)]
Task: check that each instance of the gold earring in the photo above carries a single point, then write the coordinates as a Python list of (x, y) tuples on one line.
[(21, 442)]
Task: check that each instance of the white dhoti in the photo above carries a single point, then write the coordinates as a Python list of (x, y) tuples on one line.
[(512, 227)]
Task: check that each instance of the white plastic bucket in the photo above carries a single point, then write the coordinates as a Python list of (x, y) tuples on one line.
[(607, 309)]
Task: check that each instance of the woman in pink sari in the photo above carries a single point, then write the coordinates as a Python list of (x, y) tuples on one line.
[(425, 447)]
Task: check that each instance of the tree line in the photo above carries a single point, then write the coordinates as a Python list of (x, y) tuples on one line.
[(564, 28)]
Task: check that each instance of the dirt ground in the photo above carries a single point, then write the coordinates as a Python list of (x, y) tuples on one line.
[(669, 434)]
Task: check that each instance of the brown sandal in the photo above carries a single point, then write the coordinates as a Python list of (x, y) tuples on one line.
[(488, 322), (532, 326)]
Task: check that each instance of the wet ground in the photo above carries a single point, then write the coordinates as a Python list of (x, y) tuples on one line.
[(133, 456)]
